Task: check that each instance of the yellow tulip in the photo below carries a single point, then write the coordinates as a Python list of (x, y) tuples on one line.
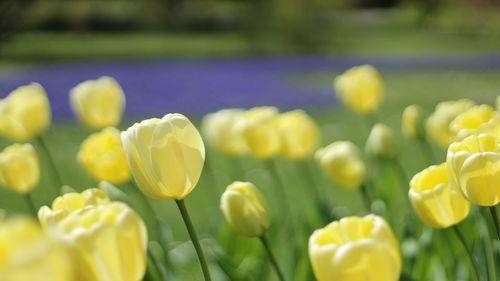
[(19, 168), (412, 122), (342, 162), (477, 119), (102, 156), (166, 156), (360, 88), (355, 249), (27, 254), (438, 124), (245, 209), (219, 130), (382, 143), (435, 201), (25, 113), (473, 167), (98, 103), (258, 128), (299, 134)]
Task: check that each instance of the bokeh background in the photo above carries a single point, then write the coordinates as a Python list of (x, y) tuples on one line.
[(199, 56)]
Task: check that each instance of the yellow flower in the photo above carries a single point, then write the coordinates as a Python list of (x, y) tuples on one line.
[(360, 88), (98, 103), (477, 119), (412, 122), (166, 156), (219, 130), (382, 143), (355, 249), (25, 113), (435, 201), (299, 134), (473, 167), (258, 128), (19, 168), (342, 162), (102, 156), (245, 209), (27, 254), (109, 238), (438, 124)]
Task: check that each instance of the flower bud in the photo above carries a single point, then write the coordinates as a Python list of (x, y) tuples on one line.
[(355, 249), (299, 134), (438, 124), (19, 168), (473, 168), (477, 119), (245, 209), (24, 113), (166, 156), (382, 143), (98, 103), (412, 122), (102, 156), (434, 200), (219, 130), (342, 162), (360, 88), (258, 128)]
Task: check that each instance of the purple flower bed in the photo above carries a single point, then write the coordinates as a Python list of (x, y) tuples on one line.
[(201, 86)]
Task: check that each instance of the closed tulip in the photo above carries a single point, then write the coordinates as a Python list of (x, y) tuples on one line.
[(245, 209), (166, 156), (98, 103), (360, 88), (219, 130), (382, 143), (342, 162), (477, 119), (473, 168), (19, 168), (412, 122), (28, 254), (258, 128), (24, 113), (438, 124), (102, 156), (299, 134), (435, 201), (355, 249)]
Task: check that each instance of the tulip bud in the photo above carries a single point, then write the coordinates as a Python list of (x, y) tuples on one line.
[(382, 143), (24, 113), (258, 128), (434, 200), (19, 168), (342, 162), (219, 130), (497, 103), (98, 103), (355, 249), (299, 134), (360, 88), (102, 156), (244, 208), (28, 254), (472, 166), (477, 119), (166, 156), (438, 124), (412, 122)]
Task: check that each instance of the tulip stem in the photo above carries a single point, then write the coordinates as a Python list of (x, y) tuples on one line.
[(401, 173), (52, 163), (460, 236), (31, 205), (194, 238), (363, 189), (272, 258), (496, 221), (323, 205), (427, 151)]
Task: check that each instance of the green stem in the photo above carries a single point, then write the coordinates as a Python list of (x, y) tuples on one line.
[(273, 170), (321, 201), (194, 238), (271, 256), (154, 271), (31, 206), (363, 190), (52, 163), (469, 252), (401, 174), (496, 221), (427, 151)]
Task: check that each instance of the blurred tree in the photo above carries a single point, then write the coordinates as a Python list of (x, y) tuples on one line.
[(11, 12)]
